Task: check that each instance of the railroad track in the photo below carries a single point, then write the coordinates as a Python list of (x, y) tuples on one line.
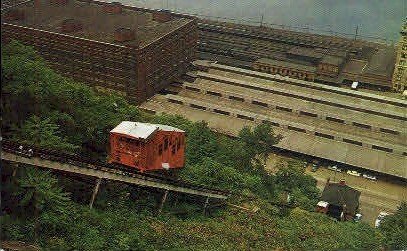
[(86, 163), (248, 44), (280, 36)]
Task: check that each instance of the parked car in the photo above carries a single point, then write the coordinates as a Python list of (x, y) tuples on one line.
[(305, 164), (370, 177), (358, 217), (334, 168), (353, 173), (314, 167), (380, 217)]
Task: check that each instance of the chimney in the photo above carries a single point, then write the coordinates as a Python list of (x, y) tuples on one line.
[(59, 2), (162, 16), (71, 25), (113, 8), (342, 182), (124, 35), (15, 15)]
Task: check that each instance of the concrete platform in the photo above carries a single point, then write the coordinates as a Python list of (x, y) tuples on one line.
[(371, 159), (305, 93), (305, 108), (308, 125)]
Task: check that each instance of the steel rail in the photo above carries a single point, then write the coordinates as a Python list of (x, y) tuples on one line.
[(87, 163)]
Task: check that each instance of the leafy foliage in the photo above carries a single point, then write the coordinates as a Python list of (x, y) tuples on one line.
[(44, 133), (40, 190), (259, 141), (301, 186), (394, 228)]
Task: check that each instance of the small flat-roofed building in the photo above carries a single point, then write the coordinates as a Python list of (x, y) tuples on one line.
[(330, 65), (285, 68), (339, 201), (134, 51), (377, 71), (147, 147), (312, 55)]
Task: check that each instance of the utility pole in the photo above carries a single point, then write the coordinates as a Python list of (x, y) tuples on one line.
[(261, 21), (164, 198), (95, 191), (206, 205), (356, 32)]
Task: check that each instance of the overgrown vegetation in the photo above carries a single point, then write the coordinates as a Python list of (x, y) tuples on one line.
[(44, 108), (394, 228)]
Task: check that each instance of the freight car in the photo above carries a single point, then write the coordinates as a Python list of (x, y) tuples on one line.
[(147, 147)]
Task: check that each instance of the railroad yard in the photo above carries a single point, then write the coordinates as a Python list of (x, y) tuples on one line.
[(241, 45), (329, 125), (363, 130), (345, 126)]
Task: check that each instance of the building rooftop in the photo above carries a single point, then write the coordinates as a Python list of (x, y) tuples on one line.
[(332, 60), (96, 22), (382, 62), (141, 130), (287, 64), (315, 53), (340, 194)]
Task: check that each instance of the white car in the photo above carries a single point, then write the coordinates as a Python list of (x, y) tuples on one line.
[(358, 218), (380, 217), (370, 177), (353, 173), (334, 168)]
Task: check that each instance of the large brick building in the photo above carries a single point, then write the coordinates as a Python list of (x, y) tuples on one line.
[(132, 50)]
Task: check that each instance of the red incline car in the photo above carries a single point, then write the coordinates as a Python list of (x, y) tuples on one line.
[(146, 146)]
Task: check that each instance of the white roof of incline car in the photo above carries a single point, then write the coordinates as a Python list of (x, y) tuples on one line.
[(141, 130)]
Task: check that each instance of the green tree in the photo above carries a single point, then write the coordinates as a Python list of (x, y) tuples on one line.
[(394, 228), (302, 187), (201, 143), (259, 142), (39, 192), (43, 132)]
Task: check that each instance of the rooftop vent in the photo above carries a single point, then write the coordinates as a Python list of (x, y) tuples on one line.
[(14, 15), (113, 8), (162, 16), (59, 2), (71, 25), (124, 34)]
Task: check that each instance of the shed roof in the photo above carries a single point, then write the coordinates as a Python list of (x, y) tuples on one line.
[(141, 130), (333, 60), (316, 53), (341, 194), (286, 64)]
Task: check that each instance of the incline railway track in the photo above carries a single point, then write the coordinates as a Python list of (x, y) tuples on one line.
[(84, 165)]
